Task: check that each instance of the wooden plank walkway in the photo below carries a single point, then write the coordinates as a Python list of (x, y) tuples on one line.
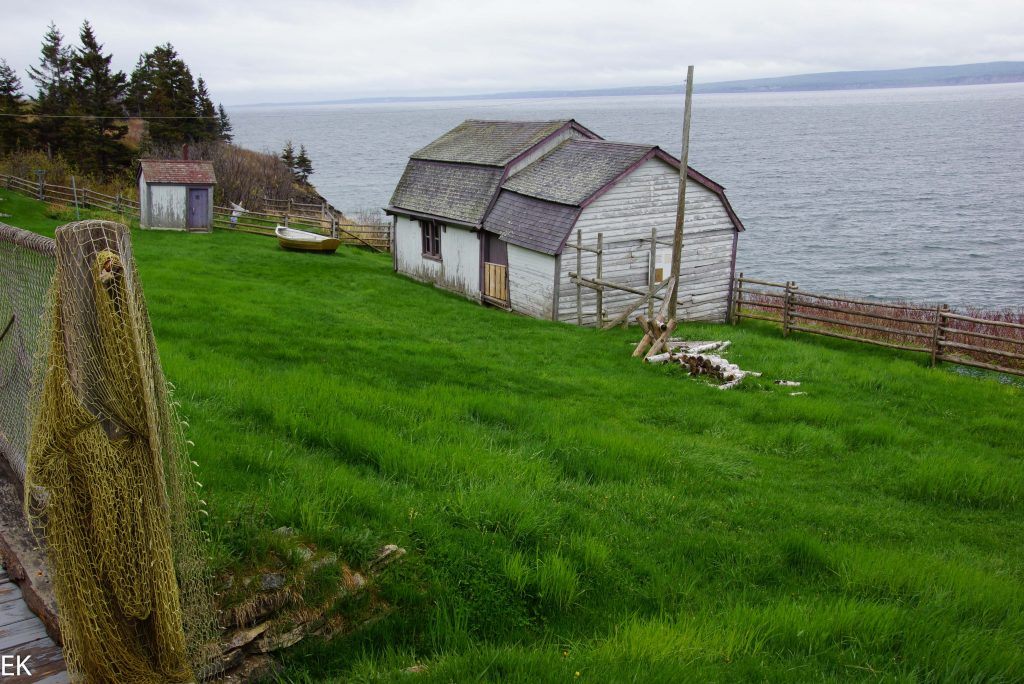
[(22, 634)]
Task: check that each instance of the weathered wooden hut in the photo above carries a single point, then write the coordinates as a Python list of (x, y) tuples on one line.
[(492, 209), (176, 194)]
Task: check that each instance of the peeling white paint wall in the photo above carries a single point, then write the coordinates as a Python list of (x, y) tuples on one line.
[(531, 281), (163, 206), (459, 267)]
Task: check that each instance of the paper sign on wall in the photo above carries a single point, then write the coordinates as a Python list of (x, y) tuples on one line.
[(662, 264)]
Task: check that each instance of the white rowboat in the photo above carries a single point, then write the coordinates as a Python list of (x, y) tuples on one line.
[(302, 241)]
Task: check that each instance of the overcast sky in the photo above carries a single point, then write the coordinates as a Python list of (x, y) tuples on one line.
[(274, 51)]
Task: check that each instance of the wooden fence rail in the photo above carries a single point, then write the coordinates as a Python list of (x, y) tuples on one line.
[(82, 197), (987, 343)]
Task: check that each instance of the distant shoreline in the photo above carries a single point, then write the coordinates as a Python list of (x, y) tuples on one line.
[(988, 73)]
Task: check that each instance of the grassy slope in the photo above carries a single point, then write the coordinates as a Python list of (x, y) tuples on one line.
[(568, 509)]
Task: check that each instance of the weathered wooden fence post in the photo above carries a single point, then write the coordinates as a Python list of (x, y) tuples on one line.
[(937, 337), (787, 307), (652, 279), (738, 299), (579, 274), (600, 273), (74, 193)]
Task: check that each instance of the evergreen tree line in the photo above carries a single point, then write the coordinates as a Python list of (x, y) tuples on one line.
[(81, 105)]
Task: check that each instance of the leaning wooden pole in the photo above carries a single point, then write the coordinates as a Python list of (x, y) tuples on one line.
[(677, 239)]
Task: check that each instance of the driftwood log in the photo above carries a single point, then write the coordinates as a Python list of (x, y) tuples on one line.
[(691, 356)]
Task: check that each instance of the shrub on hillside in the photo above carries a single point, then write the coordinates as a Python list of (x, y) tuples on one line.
[(60, 171)]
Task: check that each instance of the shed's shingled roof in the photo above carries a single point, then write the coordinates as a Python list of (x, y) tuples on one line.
[(575, 170), (531, 223), (178, 171), (460, 192), (488, 143)]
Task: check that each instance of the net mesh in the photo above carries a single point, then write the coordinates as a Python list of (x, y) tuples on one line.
[(107, 479), (26, 268)]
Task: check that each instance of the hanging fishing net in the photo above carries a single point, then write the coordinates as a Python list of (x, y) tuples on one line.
[(26, 269), (108, 481)]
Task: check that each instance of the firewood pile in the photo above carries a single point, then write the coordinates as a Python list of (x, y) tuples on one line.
[(658, 346), (694, 358)]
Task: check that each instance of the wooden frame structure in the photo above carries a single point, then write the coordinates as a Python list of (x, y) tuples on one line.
[(600, 284)]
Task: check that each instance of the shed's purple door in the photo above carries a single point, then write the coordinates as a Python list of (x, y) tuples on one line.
[(198, 208)]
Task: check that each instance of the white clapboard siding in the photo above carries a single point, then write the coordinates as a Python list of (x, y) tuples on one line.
[(460, 260), (459, 267), (531, 281), (625, 215), (167, 206)]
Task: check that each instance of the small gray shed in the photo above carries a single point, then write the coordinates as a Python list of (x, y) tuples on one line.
[(492, 209), (176, 194)]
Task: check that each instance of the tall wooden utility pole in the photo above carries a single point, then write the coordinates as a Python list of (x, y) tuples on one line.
[(677, 239)]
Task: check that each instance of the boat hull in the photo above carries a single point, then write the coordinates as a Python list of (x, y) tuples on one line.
[(302, 241), (329, 245)]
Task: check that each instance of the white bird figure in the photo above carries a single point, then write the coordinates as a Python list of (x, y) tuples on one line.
[(236, 209)]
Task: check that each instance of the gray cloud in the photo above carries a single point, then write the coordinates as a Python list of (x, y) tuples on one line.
[(271, 51)]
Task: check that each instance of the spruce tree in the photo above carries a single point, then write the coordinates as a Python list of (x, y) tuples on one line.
[(223, 125), (99, 92), (208, 124), (163, 91), (12, 127), (53, 79), (140, 84), (288, 156), (303, 165)]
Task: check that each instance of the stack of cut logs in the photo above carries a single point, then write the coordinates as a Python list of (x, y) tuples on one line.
[(658, 337), (692, 356)]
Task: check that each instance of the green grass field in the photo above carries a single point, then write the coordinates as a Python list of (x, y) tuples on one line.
[(571, 513)]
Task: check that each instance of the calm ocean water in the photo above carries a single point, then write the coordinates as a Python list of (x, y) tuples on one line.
[(916, 192)]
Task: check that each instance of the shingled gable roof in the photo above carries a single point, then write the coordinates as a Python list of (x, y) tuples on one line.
[(488, 143), (456, 177), (538, 206), (459, 193), (576, 169), (178, 171), (530, 222)]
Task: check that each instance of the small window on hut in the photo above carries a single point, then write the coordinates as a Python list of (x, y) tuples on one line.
[(430, 232)]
